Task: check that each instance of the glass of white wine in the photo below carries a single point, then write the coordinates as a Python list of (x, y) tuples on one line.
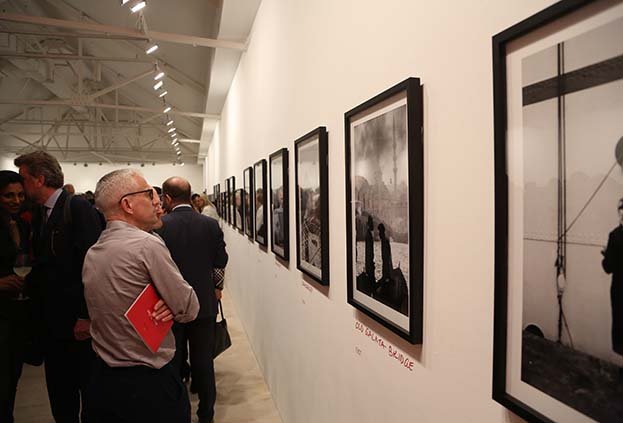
[(22, 267)]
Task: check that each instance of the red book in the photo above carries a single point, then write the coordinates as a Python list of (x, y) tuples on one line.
[(151, 331)]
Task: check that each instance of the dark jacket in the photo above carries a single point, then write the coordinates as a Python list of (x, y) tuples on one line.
[(197, 247), (60, 246)]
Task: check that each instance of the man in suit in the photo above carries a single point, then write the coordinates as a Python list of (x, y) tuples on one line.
[(197, 247), (64, 228)]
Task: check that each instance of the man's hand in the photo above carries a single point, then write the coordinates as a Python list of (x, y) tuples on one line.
[(218, 293), (162, 312), (82, 329), (12, 283)]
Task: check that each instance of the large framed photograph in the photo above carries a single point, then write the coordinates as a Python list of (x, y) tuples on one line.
[(384, 212), (232, 201), (227, 201), (260, 218), (312, 204), (279, 204), (558, 91), (247, 200), (239, 210)]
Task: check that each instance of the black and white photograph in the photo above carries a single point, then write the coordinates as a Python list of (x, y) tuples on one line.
[(232, 201), (563, 312), (216, 194), (239, 210), (260, 218), (279, 207), (247, 199), (227, 202), (385, 218), (312, 208)]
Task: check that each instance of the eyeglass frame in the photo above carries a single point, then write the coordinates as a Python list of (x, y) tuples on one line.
[(150, 191)]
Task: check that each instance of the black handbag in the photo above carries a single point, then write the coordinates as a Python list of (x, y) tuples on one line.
[(222, 340)]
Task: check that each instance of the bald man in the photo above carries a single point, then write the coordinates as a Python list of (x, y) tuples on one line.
[(197, 247)]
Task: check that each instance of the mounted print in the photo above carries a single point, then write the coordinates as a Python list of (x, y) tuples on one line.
[(227, 202), (217, 198), (312, 205), (232, 201), (260, 218), (239, 210), (558, 90), (279, 208), (385, 214), (247, 200)]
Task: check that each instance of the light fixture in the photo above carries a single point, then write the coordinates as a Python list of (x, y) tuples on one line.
[(124, 2), (151, 49), (162, 94), (167, 109), (179, 153), (173, 135), (171, 130), (169, 123), (138, 6), (159, 76), (182, 164), (172, 142), (158, 85)]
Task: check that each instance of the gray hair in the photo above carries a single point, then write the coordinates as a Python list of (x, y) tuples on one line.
[(40, 163), (112, 186)]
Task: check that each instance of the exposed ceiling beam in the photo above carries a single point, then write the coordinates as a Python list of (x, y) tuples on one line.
[(74, 57), (120, 124), (120, 31), (121, 84), (77, 102), (51, 34)]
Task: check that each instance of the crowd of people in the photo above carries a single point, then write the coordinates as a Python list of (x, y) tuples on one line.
[(71, 265)]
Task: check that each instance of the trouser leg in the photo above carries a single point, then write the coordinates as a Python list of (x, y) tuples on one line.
[(201, 339)]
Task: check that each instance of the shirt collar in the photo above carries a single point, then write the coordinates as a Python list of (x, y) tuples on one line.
[(52, 199), (182, 205)]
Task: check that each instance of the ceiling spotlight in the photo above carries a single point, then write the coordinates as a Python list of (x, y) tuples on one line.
[(167, 109), (169, 123), (158, 85), (159, 76), (138, 6), (162, 94), (173, 142), (124, 2), (171, 130), (179, 153), (182, 164), (151, 49), (142, 164)]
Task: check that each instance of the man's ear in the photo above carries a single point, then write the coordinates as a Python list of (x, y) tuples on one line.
[(126, 206), (40, 180)]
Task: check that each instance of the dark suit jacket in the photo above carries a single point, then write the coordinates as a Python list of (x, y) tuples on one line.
[(59, 249), (197, 247)]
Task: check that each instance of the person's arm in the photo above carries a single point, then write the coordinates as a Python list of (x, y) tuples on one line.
[(220, 255), (178, 296)]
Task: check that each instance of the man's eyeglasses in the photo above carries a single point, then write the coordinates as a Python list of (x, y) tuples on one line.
[(149, 192)]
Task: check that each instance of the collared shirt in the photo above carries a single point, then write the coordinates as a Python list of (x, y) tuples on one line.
[(51, 201), (182, 205), (116, 269)]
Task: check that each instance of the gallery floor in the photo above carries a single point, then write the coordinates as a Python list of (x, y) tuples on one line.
[(242, 394)]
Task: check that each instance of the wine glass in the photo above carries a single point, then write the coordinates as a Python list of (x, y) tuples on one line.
[(22, 267)]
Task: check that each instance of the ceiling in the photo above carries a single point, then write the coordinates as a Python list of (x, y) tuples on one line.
[(75, 78)]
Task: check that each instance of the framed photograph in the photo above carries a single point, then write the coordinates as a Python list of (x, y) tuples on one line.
[(260, 219), (226, 202), (232, 201), (558, 92), (385, 210), (312, 204), (216, 194), (247, 200), (279, 208), (223, 208), (239, 210)]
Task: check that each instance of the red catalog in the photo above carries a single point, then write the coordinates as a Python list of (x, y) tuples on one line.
[(151, 331)]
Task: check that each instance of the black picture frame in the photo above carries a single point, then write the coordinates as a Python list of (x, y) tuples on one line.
[(260, 224), (312, 232), (232, 201), (247, 201), (279, 207), (226, 201), (239, 210), (545, 40), (397, 115)]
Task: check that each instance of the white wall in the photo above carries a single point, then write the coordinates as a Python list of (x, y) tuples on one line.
[(85, 178), (6, 163), (309, 62)]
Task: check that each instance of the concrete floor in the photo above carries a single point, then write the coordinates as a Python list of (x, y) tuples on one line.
[(242, 394)]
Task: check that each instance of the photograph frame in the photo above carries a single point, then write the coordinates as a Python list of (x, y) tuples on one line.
[(239, 215), (247, 181), (231, 202), (261, 164), (545, 23), (226, 202), (412, 90), (321, 135), (283, 155)]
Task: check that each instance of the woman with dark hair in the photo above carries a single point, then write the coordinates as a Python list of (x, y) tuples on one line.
[(14, 239)]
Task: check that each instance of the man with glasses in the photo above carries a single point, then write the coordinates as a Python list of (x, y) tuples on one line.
[(64, 228), (130, 382)]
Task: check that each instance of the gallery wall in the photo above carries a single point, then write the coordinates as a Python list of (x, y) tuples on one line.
[(306, 65)]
